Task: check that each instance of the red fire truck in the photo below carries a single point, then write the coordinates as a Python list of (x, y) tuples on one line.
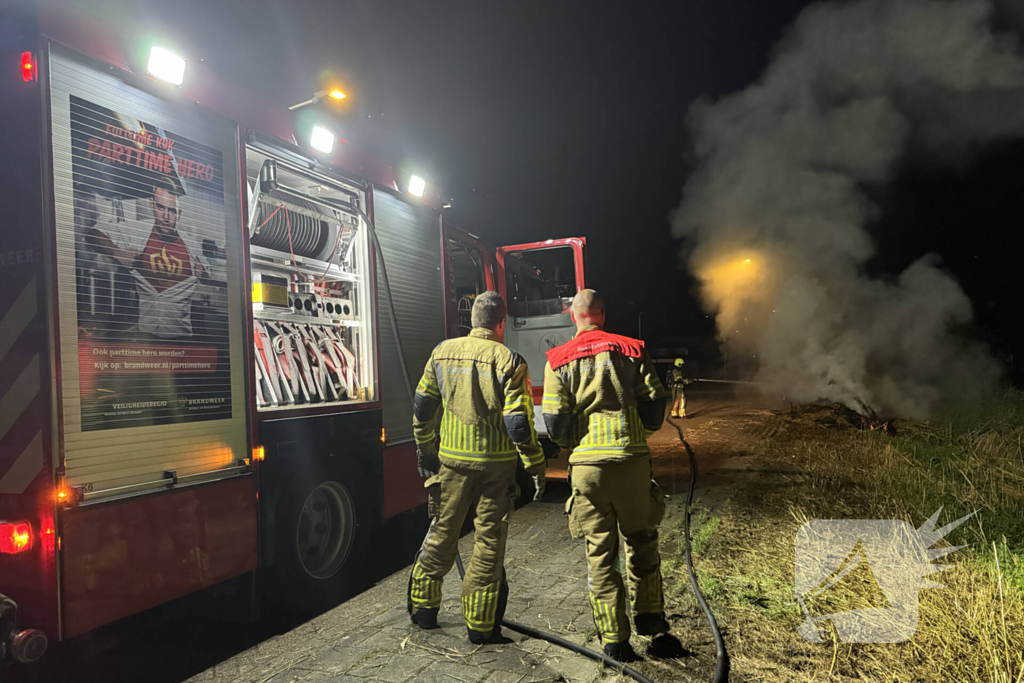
[(199, 380)]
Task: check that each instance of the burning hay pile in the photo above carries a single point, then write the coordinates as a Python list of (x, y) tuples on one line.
[(838, 416)]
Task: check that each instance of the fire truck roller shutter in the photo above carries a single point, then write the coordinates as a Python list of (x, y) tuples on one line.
[(410, 242), (149, 284)]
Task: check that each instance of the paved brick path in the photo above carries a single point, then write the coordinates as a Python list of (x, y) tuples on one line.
[(370, 636)]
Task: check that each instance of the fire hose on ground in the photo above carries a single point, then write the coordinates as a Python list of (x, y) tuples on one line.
[(722, 668)]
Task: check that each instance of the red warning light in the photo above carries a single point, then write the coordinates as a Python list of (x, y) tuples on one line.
[(28, 67), (15, 537)]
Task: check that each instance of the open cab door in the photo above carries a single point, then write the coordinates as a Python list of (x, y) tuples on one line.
[(538, 281)]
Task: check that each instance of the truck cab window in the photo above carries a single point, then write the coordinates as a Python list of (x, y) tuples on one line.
[(540, 282), (467, 265)]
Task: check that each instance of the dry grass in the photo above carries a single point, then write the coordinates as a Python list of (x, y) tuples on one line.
[(815, 465)]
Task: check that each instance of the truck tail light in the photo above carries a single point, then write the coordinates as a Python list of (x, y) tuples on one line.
[(28, 67), (15, 537)]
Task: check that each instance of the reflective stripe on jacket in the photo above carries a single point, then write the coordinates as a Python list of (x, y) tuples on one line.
[(478, 392), (602, 398)]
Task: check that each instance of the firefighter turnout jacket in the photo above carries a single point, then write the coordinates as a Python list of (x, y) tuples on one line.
[(602, 398), (676, 378), (479, 391)]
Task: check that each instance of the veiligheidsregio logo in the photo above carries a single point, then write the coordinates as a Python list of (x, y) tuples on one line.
[(863, 576)]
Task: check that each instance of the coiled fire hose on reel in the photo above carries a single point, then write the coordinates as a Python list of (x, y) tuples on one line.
[(722, 665)]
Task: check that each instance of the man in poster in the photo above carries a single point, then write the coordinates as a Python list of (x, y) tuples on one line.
[(150, 273), (166, 271)]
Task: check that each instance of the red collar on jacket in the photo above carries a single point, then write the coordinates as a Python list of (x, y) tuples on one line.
[(592, 342)]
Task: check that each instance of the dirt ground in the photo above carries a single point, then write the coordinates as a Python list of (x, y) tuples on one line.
[(721, 423)]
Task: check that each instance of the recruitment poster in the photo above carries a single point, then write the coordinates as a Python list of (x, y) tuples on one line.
[(150, 273)]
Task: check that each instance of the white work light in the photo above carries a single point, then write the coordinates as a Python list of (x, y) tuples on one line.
[(417, 185), (166, 66), (322, 140)]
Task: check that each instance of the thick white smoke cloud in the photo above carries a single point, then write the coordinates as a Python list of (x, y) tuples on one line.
[(774, 216)]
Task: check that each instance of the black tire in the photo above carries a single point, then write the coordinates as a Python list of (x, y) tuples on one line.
[(322, 533)]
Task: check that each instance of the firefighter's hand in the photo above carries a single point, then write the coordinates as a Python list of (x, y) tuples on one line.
[(427, 461), (540, 482)]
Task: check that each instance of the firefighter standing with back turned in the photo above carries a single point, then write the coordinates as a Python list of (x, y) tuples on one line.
[(602, 400), (479, 392)]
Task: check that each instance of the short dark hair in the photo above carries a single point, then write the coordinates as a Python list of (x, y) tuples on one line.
[(587, 301), (166, 184), (488, 310)]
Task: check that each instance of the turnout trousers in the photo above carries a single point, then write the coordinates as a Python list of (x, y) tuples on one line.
[(484, 589), (678, 402), (610, 499)]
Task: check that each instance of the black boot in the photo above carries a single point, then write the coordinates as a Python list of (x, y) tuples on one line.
[(425, 618), (666, 646), (650, 623), (620, 652), (495, 637), (499, 613)]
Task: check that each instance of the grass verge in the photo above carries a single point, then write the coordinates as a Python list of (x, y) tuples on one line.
[(818, 464)]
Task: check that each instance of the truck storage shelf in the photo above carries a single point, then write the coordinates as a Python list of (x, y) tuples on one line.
[(269, 314), (326, 405), (269, 258)]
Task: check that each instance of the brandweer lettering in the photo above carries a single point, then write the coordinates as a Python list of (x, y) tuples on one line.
[(19, 257)]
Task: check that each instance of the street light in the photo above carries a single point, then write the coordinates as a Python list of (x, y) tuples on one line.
[(319, 95)]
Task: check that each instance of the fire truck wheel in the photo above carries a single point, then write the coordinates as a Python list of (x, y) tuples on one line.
[(324, 528)]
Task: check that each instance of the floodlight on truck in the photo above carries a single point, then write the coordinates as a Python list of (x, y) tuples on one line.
[(322, 140), (417, 185), (166, 66)]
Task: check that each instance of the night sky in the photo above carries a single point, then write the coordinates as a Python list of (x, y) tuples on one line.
[(556, 119)]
